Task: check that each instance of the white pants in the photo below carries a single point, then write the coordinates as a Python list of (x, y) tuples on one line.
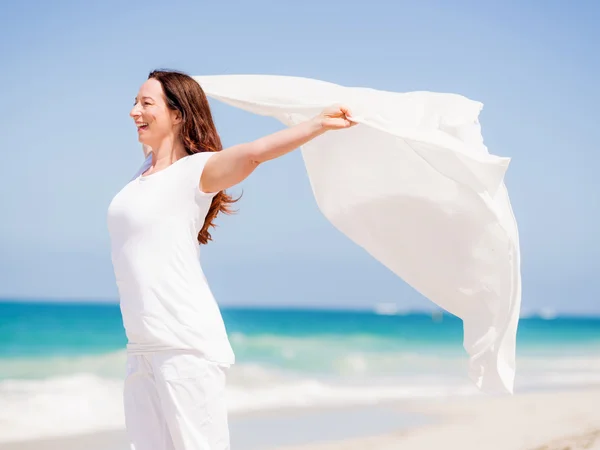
[(175, 400)]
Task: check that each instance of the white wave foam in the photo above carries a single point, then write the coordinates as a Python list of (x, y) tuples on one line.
[(311, 393), (88, 402), (59, 406)]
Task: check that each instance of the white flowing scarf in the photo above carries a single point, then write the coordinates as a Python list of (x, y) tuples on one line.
[(414, 185)]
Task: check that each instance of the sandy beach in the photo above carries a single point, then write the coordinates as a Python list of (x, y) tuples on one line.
[(568, 420), (536, 421)]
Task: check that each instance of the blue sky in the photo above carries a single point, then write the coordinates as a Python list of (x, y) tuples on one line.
[(71, 70)]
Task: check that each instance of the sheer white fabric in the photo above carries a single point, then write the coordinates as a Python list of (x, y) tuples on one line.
[(414, 185)]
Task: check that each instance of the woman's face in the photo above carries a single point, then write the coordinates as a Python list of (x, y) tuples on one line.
[(154, 120)]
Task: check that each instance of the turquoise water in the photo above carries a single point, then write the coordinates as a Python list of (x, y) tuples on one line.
[(62, 365), (54, 329)]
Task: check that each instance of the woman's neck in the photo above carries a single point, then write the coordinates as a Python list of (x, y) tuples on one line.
[(167, 152)]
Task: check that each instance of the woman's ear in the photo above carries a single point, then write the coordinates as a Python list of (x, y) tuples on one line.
[(177, 117)]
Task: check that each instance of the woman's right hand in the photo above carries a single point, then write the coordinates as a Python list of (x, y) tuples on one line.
[(335, 118)]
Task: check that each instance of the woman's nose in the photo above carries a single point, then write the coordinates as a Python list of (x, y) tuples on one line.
[(134, 112)]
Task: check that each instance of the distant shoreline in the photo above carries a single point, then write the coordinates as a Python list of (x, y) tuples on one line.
[(380, 308)]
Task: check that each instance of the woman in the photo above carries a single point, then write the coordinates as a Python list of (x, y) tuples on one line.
[(178, 350)]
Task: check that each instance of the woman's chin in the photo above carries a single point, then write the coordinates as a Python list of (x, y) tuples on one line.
[(143, 139)]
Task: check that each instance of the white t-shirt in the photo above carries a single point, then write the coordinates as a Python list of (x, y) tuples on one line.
[(165, 299)]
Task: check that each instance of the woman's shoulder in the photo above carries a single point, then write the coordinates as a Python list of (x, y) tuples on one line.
[(198, 160)]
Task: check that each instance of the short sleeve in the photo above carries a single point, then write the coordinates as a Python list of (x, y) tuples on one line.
[(198, 161)]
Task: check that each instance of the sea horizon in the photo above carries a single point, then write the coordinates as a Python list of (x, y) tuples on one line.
[(382, 307)]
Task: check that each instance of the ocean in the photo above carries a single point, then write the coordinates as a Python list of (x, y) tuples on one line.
[(62, 365)]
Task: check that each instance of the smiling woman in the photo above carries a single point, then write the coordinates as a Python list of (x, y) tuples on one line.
[(178, 348)]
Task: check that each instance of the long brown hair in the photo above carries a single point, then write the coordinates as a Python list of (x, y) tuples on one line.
[(198, 131)]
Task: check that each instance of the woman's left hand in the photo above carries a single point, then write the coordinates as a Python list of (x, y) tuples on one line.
[(336, 118)]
